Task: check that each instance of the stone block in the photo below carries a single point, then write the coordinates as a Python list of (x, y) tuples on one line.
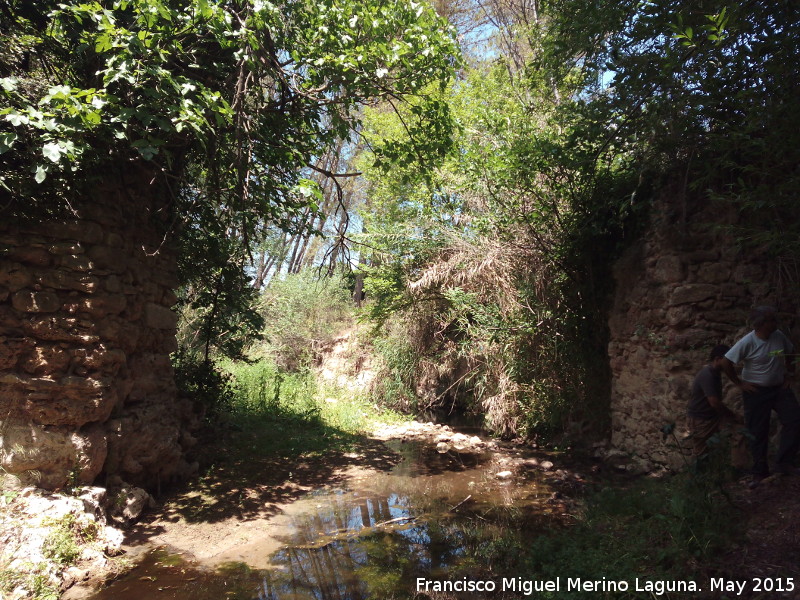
[(723, 330), (669, 269), (159, 317), (91, 448), (36, 302), (170, 344), (713, 273), (58, 328), (110, 258), (31, 255), (11, 349), (118, 332), (67, 280), (692, 293), (69, 401), (14, 276), (723, 316), (169, 298), (681, 317), (98, 306), (150, 291), (103, 360), (76, 262), (60, 248), (702, 256), (691, 339), (47, 456), (78, 230), (760, 292), (105, 214), (151, 364), (748, 273), (166, 278), (114, 240), (46, 360), (10, 324), (113, 284)]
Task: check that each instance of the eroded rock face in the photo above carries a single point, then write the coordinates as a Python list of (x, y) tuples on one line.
[(683, 289), (86, 329)]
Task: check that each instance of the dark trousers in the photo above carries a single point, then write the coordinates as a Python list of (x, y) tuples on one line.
[(758, 407), (703, 429)]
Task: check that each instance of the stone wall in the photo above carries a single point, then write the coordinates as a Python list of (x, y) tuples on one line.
[(681, 290), (86, 329)]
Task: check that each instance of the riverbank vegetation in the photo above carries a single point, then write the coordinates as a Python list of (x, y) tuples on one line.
[(481, 244), (458, 177), (474, 172), (472, 168)]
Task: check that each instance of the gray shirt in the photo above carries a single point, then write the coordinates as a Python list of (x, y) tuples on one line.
[(707, 383), (764, 360)]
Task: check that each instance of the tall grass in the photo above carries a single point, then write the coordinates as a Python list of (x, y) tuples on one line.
[(671, 530), (650, 530), (302, 314), (291, 413)]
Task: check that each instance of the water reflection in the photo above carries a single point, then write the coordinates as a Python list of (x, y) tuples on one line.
[(431, 517), (435, 515)]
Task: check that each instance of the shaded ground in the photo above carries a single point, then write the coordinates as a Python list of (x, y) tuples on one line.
[(232, 503), (243, 498), (244, 510), (771, 544)]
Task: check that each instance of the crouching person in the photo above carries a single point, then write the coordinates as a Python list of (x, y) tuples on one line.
[(707, 415)]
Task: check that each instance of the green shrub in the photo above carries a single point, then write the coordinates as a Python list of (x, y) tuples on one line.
[(394, 385), (62, 543), (651, 528), (35, 581), (303, 313), (205, 383), (261, 389), (289, 414)]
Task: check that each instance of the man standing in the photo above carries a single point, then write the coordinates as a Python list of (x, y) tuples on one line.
[(707, 414), (768, 364)]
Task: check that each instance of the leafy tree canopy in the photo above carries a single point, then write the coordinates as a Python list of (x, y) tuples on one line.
[(250, 91), (229, 103)]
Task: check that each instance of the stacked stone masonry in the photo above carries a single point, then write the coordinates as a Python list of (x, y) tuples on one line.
[(86, 330), (682, 289)]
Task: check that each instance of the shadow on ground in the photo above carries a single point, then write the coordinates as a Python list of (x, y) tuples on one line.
[(252, 472)]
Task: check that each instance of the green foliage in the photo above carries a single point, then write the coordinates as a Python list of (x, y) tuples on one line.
[(400, 363), (303, 313), (205, 383), (311, 417), (35, 581), (149, 78), (706, 91), (261, 388), (651, 529), (61, 544), (217, 303), (508, 247)]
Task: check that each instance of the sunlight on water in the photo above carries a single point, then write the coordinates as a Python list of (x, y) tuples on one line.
[(435, 515)]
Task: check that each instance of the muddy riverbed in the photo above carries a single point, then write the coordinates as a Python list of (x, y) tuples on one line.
[(418, 502)]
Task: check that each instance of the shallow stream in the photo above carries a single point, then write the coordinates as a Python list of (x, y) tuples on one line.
[(435, 516)]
